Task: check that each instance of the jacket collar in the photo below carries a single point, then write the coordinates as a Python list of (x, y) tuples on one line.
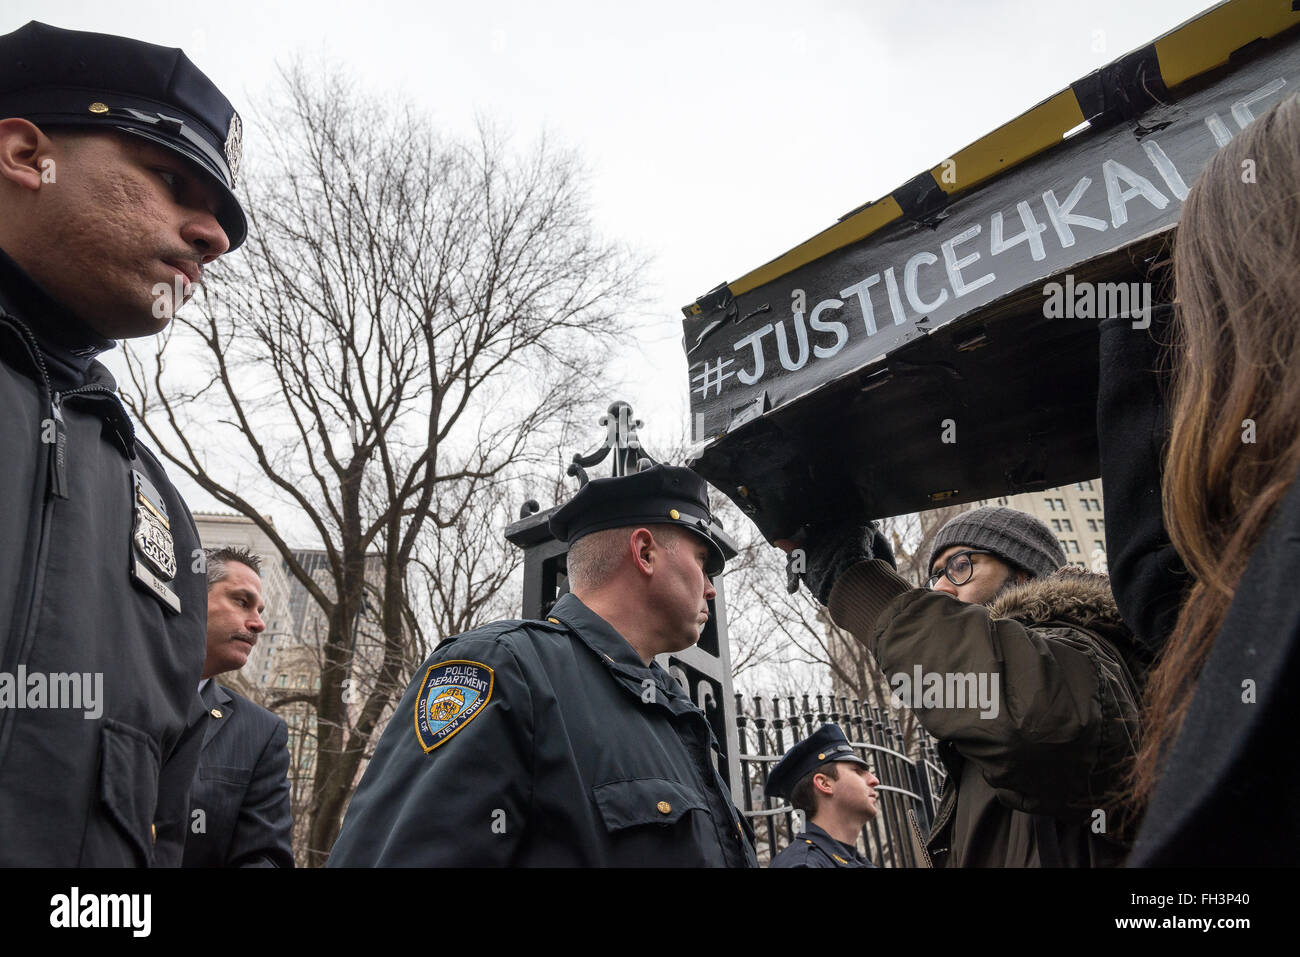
[(68, 344), (831, 846), (620, 658), (596, 632)]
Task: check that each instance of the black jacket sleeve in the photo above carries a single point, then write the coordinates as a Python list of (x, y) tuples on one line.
[(1146, 574)]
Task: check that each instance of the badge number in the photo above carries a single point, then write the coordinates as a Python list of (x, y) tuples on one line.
[(153, 560)]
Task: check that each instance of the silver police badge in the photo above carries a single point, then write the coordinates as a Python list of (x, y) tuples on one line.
[(153, 558), (234, 147)]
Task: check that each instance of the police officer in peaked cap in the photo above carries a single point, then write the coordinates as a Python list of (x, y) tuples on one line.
[(118, 162), (824, 778), (562, 742)]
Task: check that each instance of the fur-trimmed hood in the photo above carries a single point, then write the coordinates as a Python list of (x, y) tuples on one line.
[(1071, 596)]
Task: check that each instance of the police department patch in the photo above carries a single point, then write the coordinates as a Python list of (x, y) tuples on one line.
[(452, 695)]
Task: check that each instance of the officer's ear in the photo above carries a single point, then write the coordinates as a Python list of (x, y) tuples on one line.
[(643, 545), (25, 153)]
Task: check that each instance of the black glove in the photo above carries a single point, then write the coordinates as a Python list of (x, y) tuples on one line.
[(827, 551)]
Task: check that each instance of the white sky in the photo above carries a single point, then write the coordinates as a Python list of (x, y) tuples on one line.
[(718, 135)]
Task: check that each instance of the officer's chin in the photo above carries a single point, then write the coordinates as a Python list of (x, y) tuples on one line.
[(133, 323)]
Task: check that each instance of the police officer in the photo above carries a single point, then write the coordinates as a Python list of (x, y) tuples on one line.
[(562, 742), (823, 777), (117, 161)]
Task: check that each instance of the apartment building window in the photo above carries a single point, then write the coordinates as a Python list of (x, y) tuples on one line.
[(1060, 505), (1092, 524), (1074, 546), (1002, 501), (1069, 526), (1084, 503), (1096, 506), (1051, 505), (1100, 544), (1064, 546), (1056, 524), (282, 681), (1083, 486)]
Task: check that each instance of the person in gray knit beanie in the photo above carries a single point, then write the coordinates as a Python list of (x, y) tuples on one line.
[(1049, 739), (1016, 537)]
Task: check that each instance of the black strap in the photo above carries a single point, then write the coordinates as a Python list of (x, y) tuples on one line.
[(1049, 848)]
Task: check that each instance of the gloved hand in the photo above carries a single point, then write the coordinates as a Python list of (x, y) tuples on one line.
[(823, 552)]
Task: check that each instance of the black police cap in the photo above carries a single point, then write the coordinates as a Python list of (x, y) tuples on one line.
[(56, 77), (660, 495), (827, 743)]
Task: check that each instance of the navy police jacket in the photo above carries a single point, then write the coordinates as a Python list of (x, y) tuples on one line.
[(103, 610), (543, 743), (815, 848)]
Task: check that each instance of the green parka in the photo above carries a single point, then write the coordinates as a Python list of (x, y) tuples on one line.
[(1035, 766)]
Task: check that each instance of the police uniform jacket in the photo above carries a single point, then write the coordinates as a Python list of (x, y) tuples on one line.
[(242, 788), (581, 756), (78, 789), (815, 848)]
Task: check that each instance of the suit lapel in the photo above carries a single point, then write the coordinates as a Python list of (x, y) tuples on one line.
[(219, 702)]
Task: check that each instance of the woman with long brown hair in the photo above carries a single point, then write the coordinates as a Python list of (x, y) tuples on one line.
[(1215, 774)]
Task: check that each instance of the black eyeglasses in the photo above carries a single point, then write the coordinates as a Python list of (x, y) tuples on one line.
[(957, 569)]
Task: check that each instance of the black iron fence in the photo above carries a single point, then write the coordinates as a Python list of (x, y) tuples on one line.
[(910, 773)]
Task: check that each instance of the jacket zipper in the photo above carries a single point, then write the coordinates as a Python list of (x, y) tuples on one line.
[(58, 450), (59, 453), (918, 838), (941, 820), (26, 633)]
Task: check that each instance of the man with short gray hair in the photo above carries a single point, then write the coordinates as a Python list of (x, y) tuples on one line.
[(562, 742), (239, 805)]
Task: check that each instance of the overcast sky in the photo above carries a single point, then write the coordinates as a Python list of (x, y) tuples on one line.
[(718, 135)]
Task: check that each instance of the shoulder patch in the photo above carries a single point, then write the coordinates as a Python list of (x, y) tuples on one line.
[(452, 695)]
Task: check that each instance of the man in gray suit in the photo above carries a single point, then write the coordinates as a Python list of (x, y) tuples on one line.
[(239, 804)]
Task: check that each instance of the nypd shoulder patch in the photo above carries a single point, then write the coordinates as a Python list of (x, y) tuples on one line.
[(452, 695)]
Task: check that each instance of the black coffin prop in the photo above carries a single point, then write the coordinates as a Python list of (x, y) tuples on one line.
[(917, 352)]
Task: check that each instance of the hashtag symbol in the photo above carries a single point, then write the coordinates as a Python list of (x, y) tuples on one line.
[(712, 377)]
